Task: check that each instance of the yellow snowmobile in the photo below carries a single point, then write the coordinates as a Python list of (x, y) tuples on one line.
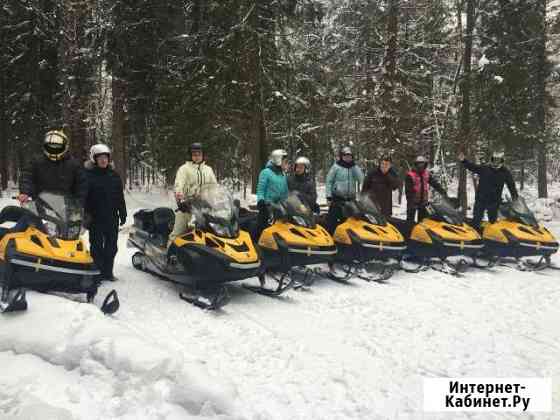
[(365, 239), (292, 240), (213, 252), (517, 234), (44, 252), (441, 235)]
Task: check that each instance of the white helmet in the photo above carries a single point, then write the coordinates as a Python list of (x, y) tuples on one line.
[(99, 149), (277, 155), (302, 160)]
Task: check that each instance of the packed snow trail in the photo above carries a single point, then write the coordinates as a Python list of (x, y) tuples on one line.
[(334, 352)]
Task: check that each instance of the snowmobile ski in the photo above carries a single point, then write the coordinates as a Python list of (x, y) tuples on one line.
[(13, 302), (305, 278), (285, 282), (209, 301)]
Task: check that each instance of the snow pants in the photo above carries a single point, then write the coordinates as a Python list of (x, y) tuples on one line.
[(182, 220), (478, 212), (103, 236), (411, 214)]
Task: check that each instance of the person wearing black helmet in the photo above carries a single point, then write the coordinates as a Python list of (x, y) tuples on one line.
[(417, 189), (192, 177), (491, 180), (54, 171), (343, 183)]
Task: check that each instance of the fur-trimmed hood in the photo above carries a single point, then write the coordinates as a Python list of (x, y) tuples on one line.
[(89, 165)]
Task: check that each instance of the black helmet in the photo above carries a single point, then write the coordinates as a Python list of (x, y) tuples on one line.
[(195, 147)]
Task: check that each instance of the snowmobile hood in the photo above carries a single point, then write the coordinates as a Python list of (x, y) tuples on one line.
[(35, 243), (426, 230), (506, 231), (367, 233), (284, 234)]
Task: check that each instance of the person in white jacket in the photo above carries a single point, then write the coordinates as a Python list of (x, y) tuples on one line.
[(192, 177)]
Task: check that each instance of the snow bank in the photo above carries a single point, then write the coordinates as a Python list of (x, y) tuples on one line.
[(94, 366)]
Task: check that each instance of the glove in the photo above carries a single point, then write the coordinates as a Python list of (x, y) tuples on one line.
[(316, 208)]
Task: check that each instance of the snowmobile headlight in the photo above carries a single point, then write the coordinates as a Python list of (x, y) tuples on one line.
[(300, 221), (219, 230)]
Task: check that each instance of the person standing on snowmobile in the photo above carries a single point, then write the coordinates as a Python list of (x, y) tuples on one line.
[(380, 183), (490, 186), (55, 171), (302, 181), (191, 178), (343, 182), (105, 208), (417, 189), (272, 187)]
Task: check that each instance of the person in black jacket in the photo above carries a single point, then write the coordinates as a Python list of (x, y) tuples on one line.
[(379, 184), (302, 181), (105, 207), (490, 186), (56, 171)]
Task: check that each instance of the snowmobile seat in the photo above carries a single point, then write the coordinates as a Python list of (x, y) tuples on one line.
[(144, 220), (163, 220), (12, 214)]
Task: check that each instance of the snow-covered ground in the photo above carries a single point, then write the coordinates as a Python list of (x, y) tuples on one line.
[(333, 352)]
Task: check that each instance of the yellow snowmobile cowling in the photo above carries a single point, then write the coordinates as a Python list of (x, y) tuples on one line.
[(443, 234), (518, 234), (296, 239), (240, 251), (44, 252), (374, 241)]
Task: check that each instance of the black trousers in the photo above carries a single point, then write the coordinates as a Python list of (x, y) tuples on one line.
[(103, 236), (334, 215), (263, 221), (411, 214), (478, 212)]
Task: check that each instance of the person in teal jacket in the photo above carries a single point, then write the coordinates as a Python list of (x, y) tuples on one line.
[(272, 187), (344, 180)]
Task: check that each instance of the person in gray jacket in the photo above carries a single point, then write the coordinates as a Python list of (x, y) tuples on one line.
[(344, 180)]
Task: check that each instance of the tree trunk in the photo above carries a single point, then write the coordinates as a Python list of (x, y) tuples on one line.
[(465, 87), (119, 127), (540, 108), (390, 134), (75, 71)]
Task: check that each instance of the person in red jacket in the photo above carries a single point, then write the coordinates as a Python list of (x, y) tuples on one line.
[(417, 189), (380, 183)]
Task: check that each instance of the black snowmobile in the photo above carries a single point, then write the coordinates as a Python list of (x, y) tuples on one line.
[(292, 241), (211, 253), (441, 235), (44, 252)]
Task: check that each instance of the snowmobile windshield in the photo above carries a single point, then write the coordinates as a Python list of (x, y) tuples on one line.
[(298, 211), (518, 211), (62, 215), (370, 210), (215, 211), (442, 210)]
